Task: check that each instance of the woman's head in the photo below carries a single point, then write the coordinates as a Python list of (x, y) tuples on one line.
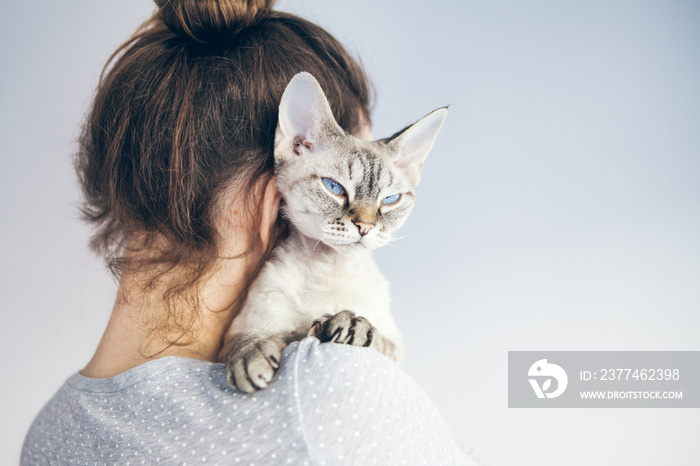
[(186, 112)]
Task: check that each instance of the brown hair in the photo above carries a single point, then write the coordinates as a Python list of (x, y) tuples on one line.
[(185, 106)]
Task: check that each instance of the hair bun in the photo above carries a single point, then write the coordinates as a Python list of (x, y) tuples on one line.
[(210, 21)]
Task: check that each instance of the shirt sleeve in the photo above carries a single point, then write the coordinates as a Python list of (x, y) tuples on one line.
[(356, 406)]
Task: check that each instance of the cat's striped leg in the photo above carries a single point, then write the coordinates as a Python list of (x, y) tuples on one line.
[(251, 360), (348, 328)]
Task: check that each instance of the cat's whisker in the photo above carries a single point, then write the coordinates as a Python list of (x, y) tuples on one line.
[(392, 241), (396, 238)]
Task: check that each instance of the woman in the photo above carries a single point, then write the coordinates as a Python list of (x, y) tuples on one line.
[(175, 163)]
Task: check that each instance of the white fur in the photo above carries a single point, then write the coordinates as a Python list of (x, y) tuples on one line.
[(304, 280)]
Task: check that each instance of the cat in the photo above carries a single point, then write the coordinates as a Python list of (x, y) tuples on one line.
[(344, 197)]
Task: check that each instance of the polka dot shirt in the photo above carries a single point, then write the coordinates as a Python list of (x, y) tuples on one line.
[(329, 404)]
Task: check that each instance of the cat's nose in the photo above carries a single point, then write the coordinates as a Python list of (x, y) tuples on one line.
[(364, 227)]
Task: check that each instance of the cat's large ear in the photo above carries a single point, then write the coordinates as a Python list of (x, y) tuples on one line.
[(414, 143), (304, 117)]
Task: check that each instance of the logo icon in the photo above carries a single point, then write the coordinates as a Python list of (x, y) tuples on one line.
[(546, 371)]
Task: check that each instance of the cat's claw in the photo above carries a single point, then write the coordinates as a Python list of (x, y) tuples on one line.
[(344, 327), (251, 365)]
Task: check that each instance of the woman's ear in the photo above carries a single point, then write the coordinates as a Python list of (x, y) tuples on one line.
[(269, 203)]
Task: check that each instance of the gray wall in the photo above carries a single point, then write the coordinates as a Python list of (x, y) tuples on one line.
[(559, 210)]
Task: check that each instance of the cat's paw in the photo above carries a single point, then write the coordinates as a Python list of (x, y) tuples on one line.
[(252, 362), (344, 327)]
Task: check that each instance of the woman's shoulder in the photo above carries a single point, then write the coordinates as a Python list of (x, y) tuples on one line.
[(170, 409), (356, 376), (357, 400), (327, 401)]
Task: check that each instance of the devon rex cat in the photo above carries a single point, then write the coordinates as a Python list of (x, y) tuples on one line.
[(343, 196)]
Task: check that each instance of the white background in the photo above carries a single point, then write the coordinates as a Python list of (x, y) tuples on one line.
[(559, 210)]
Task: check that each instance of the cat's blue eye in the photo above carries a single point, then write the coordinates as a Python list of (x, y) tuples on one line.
[(391, 200), (333, 186)]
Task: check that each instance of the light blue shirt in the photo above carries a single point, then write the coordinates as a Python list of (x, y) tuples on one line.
[(329, 404)]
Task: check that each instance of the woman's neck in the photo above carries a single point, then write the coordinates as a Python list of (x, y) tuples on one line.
[(144, 327)]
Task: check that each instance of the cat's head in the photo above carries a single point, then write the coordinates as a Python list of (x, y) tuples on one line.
[(349, 193)]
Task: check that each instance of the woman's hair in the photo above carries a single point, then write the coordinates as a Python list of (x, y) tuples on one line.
[(186, 107)]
